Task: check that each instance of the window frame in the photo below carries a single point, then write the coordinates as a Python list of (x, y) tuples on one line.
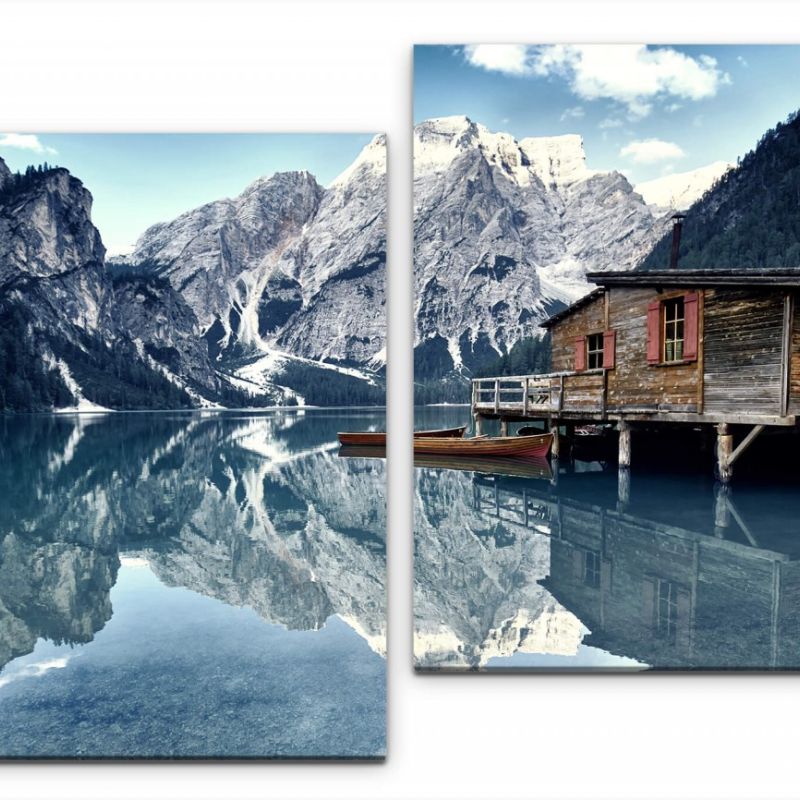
[(598, 353), (677, 323)]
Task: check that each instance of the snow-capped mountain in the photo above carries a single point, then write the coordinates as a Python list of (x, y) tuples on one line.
[(286, 269), (243, 301), (679, 190), (505, 231)]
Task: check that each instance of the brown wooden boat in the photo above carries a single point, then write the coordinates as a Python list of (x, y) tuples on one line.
[(378, 438), (495, 446)]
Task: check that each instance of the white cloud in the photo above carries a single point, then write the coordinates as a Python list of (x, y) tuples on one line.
[(576, 112), (509, 58), (742, 61), (24, 141), (609, 122), (631, 74), (649, 151)]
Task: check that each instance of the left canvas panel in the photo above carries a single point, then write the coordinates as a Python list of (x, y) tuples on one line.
[(187, 568)]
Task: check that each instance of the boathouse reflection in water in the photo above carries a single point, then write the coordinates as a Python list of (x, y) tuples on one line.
[(671, 572)]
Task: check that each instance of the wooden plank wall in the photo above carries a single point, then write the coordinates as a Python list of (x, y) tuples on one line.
[(634, 382), (586, 320), (794, 373), (743, 335)]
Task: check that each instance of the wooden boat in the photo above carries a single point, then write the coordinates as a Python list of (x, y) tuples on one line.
[(378, 438), (496, 446)]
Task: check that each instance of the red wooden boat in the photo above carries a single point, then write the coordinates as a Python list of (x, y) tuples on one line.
[(496, 446), (378, 438)]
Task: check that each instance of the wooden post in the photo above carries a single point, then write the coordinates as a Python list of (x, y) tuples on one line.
[(526, 390), (724, 451), (624, 429), (504, 427), (555, 448), (478, 424), (496, 396)]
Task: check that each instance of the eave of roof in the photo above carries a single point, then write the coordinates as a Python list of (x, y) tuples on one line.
[(698, 277), (580, 303)]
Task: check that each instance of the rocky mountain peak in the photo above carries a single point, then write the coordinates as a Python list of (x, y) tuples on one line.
[(505, 231), (558, 161), (46, 227), (371, 160)]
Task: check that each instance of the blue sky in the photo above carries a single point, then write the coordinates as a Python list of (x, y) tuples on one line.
[(139, 179), (644, 110)]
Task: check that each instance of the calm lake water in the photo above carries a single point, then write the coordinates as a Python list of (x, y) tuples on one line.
[(191, 585), (524, 569)]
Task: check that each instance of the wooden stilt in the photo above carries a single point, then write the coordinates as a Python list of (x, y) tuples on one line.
[(478, 424), (724, 452), (624, 429), (504, 427)]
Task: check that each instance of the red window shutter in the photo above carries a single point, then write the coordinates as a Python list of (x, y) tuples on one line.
[(654, 332), (609, 349), (580, 353), (690, 306)]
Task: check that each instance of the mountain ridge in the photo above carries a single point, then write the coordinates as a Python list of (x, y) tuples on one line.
[(234, 302)]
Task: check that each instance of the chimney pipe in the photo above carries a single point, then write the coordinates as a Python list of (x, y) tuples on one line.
[(677, 227)]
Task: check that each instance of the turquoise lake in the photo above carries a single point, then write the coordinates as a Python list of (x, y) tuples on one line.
[(199, 585), (562, 567)]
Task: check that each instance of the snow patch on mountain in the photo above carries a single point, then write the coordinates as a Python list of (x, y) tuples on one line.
[(679, 190)]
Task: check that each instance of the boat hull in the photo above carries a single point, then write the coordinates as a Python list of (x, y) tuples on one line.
[(495, 446)]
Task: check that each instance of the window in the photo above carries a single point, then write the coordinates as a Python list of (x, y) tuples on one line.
[(673, 329), (666, 610), (591, 569), (594, 350)]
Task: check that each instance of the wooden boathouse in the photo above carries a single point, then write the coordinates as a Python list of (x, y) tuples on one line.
[(715, 348)]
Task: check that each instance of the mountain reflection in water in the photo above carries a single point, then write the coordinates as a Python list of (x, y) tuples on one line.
[(561, 574), (202, 584)]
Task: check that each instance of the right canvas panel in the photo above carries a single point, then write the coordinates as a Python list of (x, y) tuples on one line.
[(607, 357)]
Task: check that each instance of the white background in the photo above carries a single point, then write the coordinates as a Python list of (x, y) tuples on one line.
[(338, 66)]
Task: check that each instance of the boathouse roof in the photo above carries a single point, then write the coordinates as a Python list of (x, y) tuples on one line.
[(697, 277), (679, 277)]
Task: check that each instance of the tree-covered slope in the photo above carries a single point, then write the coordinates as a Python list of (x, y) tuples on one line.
[(750, 219)]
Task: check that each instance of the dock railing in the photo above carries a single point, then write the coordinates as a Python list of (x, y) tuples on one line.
[(541, 394)]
